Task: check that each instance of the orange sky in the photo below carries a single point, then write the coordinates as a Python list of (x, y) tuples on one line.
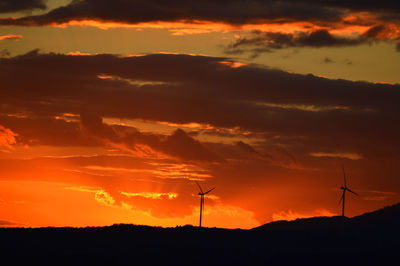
[(110, 117)]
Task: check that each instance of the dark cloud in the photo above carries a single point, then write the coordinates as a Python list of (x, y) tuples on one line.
[(47, 130), (357, 5), (4, 53), (304, 112), (20, 5), (182, 145), (179, 144), (348, 62), (7, 223), (229, 11), (95, 126), (374, 31), (326, 14), (327, 60), (261, 42), (270, 156)]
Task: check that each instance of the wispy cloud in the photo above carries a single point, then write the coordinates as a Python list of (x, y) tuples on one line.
[(192, 17), (350, 156), (150, 195), (7, 138), (264, 42), (6, 223), (26, 5), (10, 37)]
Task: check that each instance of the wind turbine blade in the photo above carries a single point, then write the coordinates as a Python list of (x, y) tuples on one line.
[(210, 190), (344, 176), (341, 199), (199, 187), (352, 192)]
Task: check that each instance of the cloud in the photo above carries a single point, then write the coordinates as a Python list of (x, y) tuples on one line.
[(262, 42), (5, 223), (350, 156), (228, 11), (196, 15), (348, 62), (374, 195), (386, 5), (95, 126), (61, 100), (7, 138), (14, 6), (232, 12), (184, 89), (10, 37), (283, 23), (150, 195), (178, 144), (46, 130), (328, 60), (104, 198), (318, 38)]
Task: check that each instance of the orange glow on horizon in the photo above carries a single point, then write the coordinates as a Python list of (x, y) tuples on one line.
[(89, 206), (291, 215)]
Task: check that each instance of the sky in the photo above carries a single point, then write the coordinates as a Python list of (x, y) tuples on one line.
[(111, 111)]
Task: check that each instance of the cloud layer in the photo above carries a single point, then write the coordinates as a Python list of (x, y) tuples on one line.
[(233, 12), (273, 24), (329, 15), (14, 6), (261, 42), (183, 89), (229, 11), (279, 133)]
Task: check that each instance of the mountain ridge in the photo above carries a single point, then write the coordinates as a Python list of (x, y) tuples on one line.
[(365, 239), (389, 215)]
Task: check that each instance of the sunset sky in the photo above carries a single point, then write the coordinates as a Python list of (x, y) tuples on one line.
[(111, 110)]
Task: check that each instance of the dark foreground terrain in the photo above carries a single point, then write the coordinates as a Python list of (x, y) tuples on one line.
[(369, 239)]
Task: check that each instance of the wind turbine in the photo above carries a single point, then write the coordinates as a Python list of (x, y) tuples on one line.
[(202, 194), (344, 188)]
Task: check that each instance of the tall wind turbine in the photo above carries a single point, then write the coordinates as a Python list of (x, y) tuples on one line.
[(344, 188), (202, 194)]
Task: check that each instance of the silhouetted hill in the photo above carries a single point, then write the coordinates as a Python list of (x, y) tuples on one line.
[(305, 224), (371, 238), (384, 219)]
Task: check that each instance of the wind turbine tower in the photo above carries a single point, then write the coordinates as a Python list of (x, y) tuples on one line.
[(344, 188), (202, 194)]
